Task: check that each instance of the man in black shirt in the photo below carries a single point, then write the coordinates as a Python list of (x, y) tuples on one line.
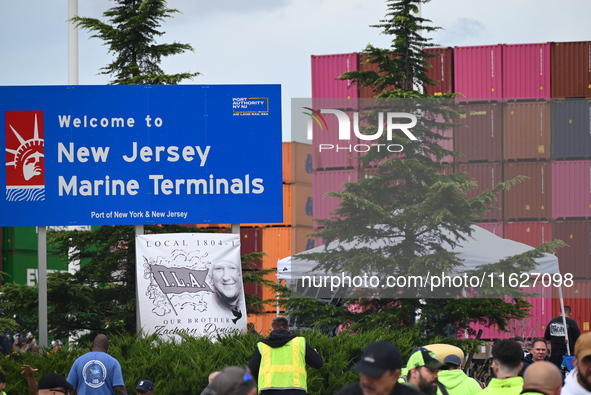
[(555, 332), (379, 370)]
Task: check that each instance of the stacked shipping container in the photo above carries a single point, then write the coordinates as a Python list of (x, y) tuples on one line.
[(524, 112), (291, 236)]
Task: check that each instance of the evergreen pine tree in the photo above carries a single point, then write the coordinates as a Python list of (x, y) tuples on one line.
[(406, 207), (130, 35)]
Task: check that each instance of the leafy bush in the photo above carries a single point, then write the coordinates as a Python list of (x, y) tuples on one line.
[(182, 368)]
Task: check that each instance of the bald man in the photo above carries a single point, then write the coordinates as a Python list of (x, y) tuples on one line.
[(542, 378), (96, 372)]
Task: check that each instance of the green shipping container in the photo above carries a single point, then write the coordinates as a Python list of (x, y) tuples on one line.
[(22, 267)]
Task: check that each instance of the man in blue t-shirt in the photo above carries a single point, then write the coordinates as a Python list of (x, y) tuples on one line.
[(96, 372)]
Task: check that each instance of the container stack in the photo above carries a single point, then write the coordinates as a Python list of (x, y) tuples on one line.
[(335, 166), (279, 240), (525, 110)]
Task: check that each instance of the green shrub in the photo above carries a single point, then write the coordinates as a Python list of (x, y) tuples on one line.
[(182, 368)]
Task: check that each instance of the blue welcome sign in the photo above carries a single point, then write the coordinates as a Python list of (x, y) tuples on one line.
[(114, 155)]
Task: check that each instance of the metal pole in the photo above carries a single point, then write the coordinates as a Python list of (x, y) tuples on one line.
[(564, 321), (72, 43), (42, 283), (139, 230)]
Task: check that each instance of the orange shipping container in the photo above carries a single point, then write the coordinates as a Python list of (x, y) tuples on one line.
[(262, 322), (297, 163), (297, 206), (532, 197), (281, 242), (526, 132)]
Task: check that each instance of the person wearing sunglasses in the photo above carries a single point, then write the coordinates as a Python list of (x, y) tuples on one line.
[(53, 384)]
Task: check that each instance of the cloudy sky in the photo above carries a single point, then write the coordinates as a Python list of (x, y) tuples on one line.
[(268, 41)]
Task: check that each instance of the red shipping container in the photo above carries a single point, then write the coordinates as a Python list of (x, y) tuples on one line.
[(496, 228), (447, 142), (487, 176), (251, 240), (527, 232), (325, 71), (366, 92), (478, 72), (480, 134), (441, 71), (527, 130), (571, 69), (325, 181), (328, 152), (575, 258), (578, 297), (571, 189), (532, 197), (526, 71), (530, 327)]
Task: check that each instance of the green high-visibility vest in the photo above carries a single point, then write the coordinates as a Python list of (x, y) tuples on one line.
[(283, 367)]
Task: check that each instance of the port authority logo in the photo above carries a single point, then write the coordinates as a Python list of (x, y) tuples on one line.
[(250, 106), (25, 156), (347, 121)]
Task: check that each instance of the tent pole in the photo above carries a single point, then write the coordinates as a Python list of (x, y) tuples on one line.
[(564, 320)]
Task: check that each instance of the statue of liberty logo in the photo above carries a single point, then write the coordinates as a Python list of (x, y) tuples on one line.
[(25, 156)]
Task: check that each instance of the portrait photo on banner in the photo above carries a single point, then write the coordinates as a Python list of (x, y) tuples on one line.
[(190, 283)]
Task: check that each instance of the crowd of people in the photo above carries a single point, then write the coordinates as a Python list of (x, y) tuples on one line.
[(278, 366)]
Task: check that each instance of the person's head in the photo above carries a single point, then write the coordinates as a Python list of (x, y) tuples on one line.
[(100, 343), (226, 277), (212, 376), (379, 368), (280, 322), (423, 368), (234, 380), (567, 311), (539, 350), (2, 381), (452, 361), (145, 387), (53, 384), (519, 340), (543, 376), (507, 358), (582, 360)]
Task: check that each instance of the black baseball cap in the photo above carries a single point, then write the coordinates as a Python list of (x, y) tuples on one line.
[(53, 380), (378, 358), (453, 359), (145, 385), (424, 357)]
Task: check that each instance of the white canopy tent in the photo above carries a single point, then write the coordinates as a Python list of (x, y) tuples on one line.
[(480, 248)]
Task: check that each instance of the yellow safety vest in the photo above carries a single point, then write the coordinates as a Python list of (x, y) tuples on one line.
[(283, 367)]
